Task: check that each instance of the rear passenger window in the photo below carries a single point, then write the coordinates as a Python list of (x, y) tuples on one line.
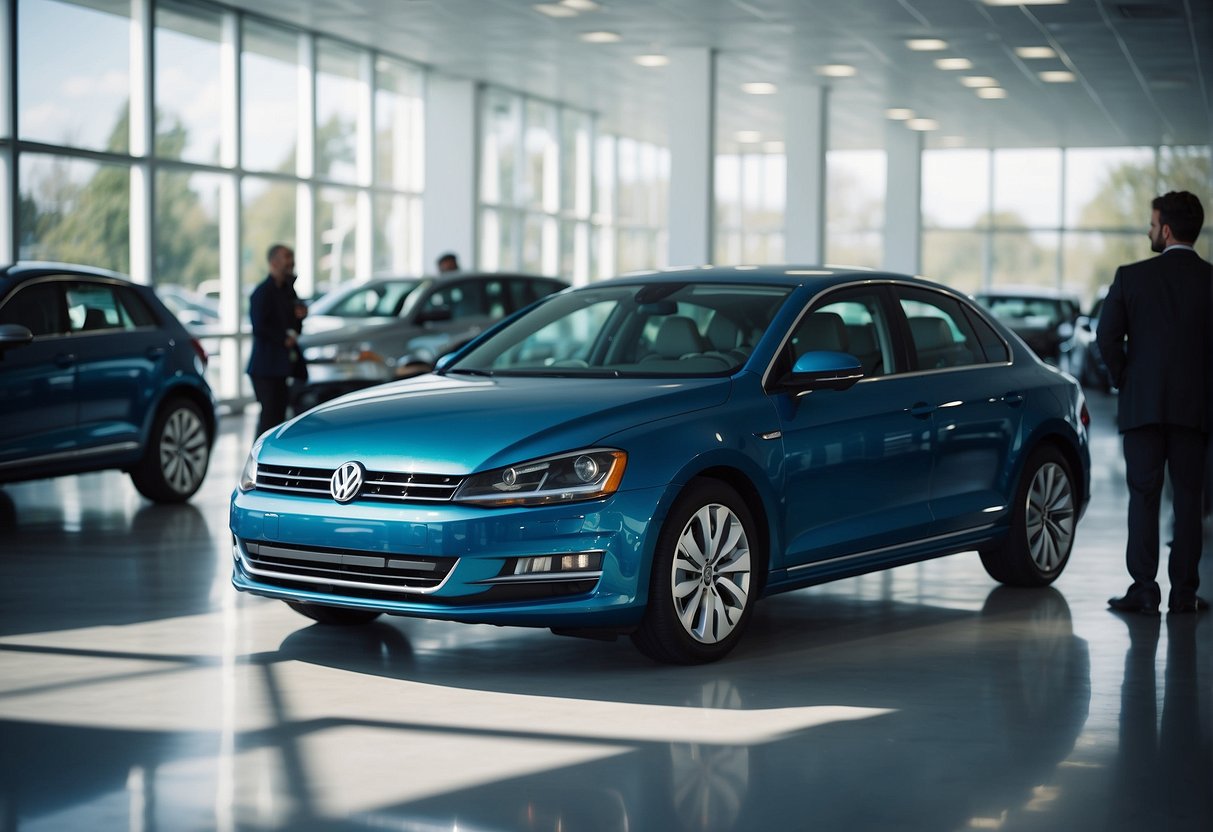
[(94, 307), (940, 332)]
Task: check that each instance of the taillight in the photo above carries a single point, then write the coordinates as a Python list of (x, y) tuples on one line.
[(1084, 416), (200, 351)]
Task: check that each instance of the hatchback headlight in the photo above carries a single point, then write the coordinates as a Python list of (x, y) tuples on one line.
[(582, 475)]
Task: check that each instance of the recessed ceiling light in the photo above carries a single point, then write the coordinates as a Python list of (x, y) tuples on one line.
[(927, 44), (1056, 76), (922, 124), (975, 81), (601, 37), (773, 147), (748, 136), (837, 70), (1025, 2), (898, 113), (953, 63), (1035, 52), (652, 60), (991, 92), (759, 88), (581, 5), (554, 10)]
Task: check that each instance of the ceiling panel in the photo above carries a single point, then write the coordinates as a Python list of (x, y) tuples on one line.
[(1142, 68)]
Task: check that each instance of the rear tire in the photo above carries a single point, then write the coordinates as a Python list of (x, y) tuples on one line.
[(703, 589), (334, 616), (177, 454), (1043, 518)]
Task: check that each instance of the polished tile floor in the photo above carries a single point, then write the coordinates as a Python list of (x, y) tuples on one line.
[(138, 691)]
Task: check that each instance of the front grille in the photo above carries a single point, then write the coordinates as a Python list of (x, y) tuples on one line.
[(377, 486), (345, 571)]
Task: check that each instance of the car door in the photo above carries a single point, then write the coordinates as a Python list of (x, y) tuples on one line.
[(964, 379), (121, 354), (38, 380), (857, 462)]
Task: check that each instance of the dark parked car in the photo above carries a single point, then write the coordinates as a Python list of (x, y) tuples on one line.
[(1092, 371), (95, 373), (394, 327), (654, 454), (1045, 319)]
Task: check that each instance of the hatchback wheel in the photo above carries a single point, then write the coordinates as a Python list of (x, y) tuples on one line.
[(338, 616), (702, 590), (1043, 518), (177, 454)]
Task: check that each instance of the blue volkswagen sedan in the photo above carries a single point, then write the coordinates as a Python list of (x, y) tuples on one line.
[(651, 455)]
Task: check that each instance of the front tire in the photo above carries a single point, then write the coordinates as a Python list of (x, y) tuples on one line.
[(1043, 518), (702, 591), (334, 616), (177, 454)]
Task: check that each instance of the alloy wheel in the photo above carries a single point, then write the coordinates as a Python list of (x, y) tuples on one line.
[(1050, 516), (183, 450), (711, 574)]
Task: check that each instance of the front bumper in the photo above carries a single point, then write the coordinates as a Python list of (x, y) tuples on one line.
[(447, 561)]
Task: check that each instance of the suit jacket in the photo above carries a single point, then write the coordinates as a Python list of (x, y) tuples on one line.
[(272, 313), (1162, 306)]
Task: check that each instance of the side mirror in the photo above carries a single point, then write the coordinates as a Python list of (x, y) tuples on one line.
[(14, 335), (825, 370)]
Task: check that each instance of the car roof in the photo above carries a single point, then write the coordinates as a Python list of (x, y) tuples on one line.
[(817, 277), (27, 269)]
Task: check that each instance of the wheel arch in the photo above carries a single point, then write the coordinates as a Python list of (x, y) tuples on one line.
[(736, 479), (191, 393)]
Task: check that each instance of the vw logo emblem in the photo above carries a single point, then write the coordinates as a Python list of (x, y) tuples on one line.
[(346, 482)]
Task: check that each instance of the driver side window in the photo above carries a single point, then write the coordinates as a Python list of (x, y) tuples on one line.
[(853, 322)]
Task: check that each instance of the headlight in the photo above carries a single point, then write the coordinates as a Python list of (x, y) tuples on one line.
[(582, 475), (248, 477)]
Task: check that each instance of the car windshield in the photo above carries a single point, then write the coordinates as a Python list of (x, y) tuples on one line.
[(654, 330), (1024, 311), (372, 300)]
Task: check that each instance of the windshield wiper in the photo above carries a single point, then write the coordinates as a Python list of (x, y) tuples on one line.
[(468, 371)]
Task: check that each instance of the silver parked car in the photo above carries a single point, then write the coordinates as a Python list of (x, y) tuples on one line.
[(387, 328)]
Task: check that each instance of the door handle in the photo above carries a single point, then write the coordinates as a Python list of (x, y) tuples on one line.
[(921, 410), (65, 359), (1014, 399)]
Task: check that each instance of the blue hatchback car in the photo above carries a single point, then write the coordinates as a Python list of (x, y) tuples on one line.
[(653, 454), (95, 372)]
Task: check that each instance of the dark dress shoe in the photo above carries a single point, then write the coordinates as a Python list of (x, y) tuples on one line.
[(1193, 604), (1134, 603)]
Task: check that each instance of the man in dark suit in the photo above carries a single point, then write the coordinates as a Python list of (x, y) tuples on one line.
[(277, 315), (1162, 307)]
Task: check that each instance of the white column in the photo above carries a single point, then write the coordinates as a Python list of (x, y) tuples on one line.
[(903, 199), (808, 124), (8, 219), (692, 141), (233, 351), (141, 135), (305, 166), (448, 220), (364, 255)]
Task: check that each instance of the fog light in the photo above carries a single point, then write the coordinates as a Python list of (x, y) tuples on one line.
[(548, 564)]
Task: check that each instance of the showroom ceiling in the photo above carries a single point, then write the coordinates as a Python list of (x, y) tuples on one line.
[(1140, 72)]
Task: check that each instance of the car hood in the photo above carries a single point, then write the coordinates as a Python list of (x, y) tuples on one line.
[(449, 425)]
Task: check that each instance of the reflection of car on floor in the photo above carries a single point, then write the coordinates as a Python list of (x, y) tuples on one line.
[(96, 373), (1045, 319), (989, 702), (653, 454), (378, 330)]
